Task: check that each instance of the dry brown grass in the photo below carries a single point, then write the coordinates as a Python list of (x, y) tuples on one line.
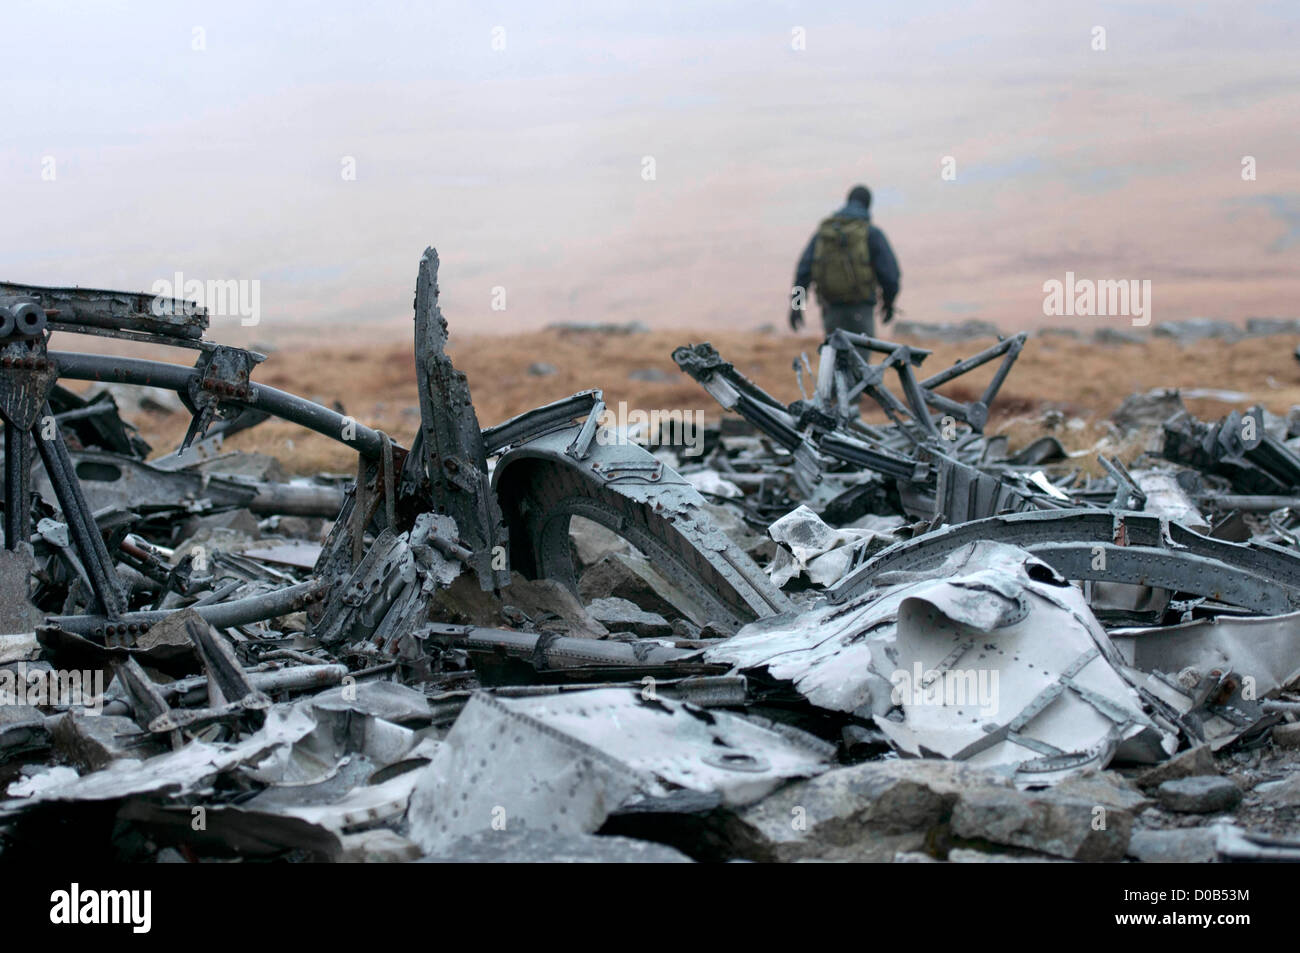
[(375, 380)]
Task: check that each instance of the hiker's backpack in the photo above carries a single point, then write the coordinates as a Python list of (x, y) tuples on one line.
[(841, 267)]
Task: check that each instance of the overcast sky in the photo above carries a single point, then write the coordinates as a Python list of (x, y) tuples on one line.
[(142, 139)]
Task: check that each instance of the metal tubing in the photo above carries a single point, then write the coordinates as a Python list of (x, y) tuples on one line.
[(86, 536), (18, 510), (222, 615), (123, 370)]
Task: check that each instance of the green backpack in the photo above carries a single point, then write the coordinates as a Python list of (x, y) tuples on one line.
[(841, 267)]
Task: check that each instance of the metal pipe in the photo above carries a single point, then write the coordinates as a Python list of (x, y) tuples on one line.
[(89, 541), (291, 499), (1252, 504), (305, 413), (81, 413), (222, 615), (18, 508)]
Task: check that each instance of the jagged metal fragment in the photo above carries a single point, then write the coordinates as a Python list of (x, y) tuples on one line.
[(1238, 447), (120, 313), (223, 373), (174, 774), (990, 657), (146, 701), (737, 393), (111, 480), (562, 762), (1121, 547), (1267, 648), (452, 443), (386, 595), (629, 491), (549, 651), (227, 683)]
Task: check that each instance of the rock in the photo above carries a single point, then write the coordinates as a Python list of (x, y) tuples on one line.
[(1147, 411), (1194, 762), (548, 604), (1196, 329), (630, 576), (258, 466), (619, 615), (652, 375), (21, 727), (92, 742), (1265, 327), (730, 520), (1070, 827), (1199, 795), (1285, 793), (1116, 336), (542, 369), (965, 331), (551, 605), (20, 647), (169, 638), (1108, 788), (597, 327), (544, 847), (208, 540), (868, 812), (300, 527), (1287, 736), (239, 521), (593, 542), (1192, 845)]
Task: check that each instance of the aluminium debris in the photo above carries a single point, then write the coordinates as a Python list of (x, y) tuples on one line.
[(538, 639)]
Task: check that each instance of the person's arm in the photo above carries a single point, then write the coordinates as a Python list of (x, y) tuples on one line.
[(803, 279), (803, 271), (885, 265)]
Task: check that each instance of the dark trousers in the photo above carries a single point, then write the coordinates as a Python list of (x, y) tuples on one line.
[(858, 318)]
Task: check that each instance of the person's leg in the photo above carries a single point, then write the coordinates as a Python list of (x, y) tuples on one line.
[(857, 318), (867, 319)]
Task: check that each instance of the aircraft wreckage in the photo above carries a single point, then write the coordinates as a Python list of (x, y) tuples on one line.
[(527, 642)]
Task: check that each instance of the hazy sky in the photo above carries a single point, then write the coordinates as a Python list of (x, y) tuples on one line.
[(525, 166)]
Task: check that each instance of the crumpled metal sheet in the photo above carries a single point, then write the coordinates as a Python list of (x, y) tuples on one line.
[(1137, 548), (113, 480), (810, 546), (991, 657), (563, 762), (179, 772), (1267, 648), (623, 487)]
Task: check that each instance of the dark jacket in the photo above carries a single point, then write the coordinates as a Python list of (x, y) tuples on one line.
[(883, 262)]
